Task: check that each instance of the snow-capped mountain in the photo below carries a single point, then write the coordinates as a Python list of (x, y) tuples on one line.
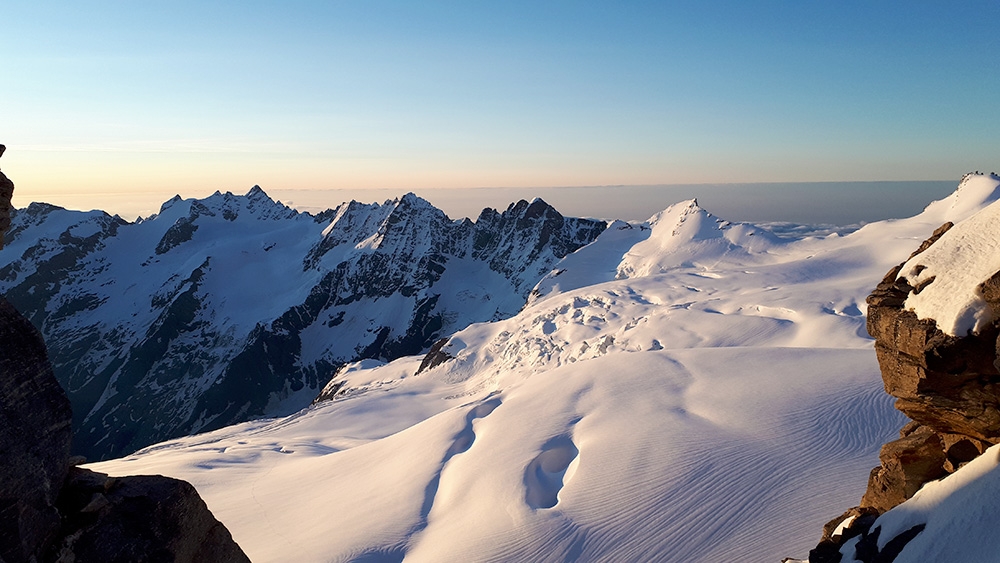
[(680, 390), (224, 309)]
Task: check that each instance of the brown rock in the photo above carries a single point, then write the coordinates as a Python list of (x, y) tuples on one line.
[(949, 387), (907, 463), (960, 449)]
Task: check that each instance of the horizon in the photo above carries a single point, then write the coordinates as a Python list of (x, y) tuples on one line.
[(842, 204), (145, 99)]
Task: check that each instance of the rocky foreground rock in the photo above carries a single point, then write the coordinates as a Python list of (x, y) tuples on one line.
[(6, 193), (949, 385), (51, 511)]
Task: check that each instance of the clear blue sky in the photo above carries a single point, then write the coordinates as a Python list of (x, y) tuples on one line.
[(150, 98)]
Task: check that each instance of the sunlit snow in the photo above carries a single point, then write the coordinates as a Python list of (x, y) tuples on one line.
[(680, 390), (947, 274)]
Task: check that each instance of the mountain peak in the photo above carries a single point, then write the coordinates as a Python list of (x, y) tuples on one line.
[(975, 191), (412, 200), (538, 209), (170, 202), (257, 193)]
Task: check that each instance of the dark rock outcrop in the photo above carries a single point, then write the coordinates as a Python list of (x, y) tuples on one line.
[(836, 532), (949, 386), (34, 440), (6, 192), (50, 511), (45, 516), (435, 356), (142, 518)]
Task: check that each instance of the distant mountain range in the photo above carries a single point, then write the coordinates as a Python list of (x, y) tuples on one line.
[(683, 389), (228, 308)]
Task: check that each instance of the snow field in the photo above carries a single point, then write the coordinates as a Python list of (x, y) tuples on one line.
[(679, 391)]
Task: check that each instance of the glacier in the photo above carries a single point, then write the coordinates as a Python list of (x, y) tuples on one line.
[(684, 389)]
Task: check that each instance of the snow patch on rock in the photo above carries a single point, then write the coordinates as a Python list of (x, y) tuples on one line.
[(947, 275)]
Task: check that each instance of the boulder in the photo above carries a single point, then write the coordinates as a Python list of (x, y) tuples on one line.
[(145, 518), (907, 463)]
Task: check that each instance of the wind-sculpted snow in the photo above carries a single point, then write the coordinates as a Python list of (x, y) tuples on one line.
[(709, 402), (220, 310)]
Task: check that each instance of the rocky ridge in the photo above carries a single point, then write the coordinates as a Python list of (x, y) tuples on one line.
[(948, 385), (220, 310)]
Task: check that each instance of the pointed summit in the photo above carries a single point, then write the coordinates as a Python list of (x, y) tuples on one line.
[(257, 193)]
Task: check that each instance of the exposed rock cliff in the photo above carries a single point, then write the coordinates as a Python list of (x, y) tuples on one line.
[(934, 320), (50, 511), (6, 192), (34, 440)]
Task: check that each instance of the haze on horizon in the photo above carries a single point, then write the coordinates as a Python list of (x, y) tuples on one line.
[(125, 101)]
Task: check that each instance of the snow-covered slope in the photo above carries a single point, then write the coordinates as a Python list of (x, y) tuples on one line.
[(680, 390), (948, 274), (229, 308), (954, 519)]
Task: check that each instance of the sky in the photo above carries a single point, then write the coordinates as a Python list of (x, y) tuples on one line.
[(110, 102)]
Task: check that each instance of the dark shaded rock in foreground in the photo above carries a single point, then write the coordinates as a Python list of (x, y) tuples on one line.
[(6, 192), (141, 518), (51, 512), (34, 439)]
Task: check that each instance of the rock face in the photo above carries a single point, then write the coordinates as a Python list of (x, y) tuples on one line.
[(6, 192), (949, 385), (228, 308), (34, 440), (52, 512), (141, 518)]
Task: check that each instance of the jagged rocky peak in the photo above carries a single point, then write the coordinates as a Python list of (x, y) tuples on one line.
[(936, 323), (227, 205), (255, 205), (201, 316)]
